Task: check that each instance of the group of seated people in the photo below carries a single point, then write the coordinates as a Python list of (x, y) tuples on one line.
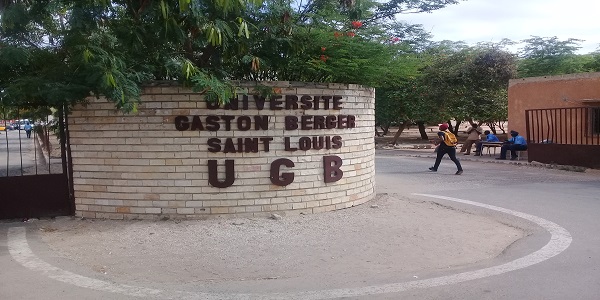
[(514, 144)]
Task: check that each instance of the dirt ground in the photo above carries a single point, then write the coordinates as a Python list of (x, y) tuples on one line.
[(362, 240)]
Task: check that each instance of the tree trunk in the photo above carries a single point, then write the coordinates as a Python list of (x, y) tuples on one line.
[(450, 127), (377, 132), (398, 133), (386, 129), (501, 125), (422, 130), (456, 128), (492, 127)]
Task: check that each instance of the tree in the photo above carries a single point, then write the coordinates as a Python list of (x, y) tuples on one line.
[(543, 56), (60, 51), (470, 83), (489, 74), (408, 100), (593, 63), (399, 95), (70, 49)]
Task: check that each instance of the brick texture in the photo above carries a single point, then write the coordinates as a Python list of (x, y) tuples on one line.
[(140, 166)]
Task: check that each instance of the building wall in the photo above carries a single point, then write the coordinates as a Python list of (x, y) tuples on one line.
[(151, 164), (563, 91)]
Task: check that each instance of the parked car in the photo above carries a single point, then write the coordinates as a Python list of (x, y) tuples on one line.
[(7, 126), (21, 123)]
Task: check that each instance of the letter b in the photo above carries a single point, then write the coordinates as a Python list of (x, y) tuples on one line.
[(331, 168)]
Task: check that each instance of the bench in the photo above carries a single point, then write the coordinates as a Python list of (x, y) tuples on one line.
[(489, 145), (520, 154), (495, 145)]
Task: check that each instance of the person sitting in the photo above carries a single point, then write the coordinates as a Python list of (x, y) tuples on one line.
[(514, 144), (489, 138), (473, 137)]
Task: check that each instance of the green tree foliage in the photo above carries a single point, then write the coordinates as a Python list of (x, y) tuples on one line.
[(399, 96), (470, 83), (593, 61), (74, 48), (543, 56), (60, 51), (406, 99)]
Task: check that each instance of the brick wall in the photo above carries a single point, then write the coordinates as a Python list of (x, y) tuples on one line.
[(560, 91), (141, 166)]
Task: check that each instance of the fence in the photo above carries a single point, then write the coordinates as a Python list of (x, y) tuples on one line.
[(35, 170), (36, 153), (566, 136), (565, 126)]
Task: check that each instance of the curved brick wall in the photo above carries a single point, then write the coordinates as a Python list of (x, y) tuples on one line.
[(155, 163)]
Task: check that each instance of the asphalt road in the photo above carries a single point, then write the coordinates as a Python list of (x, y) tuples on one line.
[(559, 259), (19, 155), (569, 199)]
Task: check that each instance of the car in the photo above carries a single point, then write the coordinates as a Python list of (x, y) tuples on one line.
[(7, 126), (21, 123)]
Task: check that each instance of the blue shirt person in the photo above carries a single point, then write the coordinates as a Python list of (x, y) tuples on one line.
[(517, 140), (514, 144), (28, 128), (489, 138)]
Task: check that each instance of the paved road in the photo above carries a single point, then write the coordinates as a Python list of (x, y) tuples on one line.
[(569, 199), (559, 259), (19, 154)]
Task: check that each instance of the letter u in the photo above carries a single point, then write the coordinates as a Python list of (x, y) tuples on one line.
[(229, 174)]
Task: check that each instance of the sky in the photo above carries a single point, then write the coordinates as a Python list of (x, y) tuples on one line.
[(474, 21)]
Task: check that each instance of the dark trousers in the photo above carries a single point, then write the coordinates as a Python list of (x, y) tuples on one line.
[(513, 148), (478, 147), (451, 151), (28, 132)]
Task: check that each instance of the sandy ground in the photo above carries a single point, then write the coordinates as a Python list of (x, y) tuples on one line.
[(385, 240), (375, 241)]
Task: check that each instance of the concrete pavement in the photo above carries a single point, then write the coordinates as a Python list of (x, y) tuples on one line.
[(416, 236)]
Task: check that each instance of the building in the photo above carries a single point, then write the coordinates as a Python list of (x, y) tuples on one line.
[(559, 116)]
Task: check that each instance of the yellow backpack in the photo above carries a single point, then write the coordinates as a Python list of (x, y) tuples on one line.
[(450, 138)]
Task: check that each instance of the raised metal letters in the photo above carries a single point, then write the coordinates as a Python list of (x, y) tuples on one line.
[(285, 178), (229, 173), (331, 164)]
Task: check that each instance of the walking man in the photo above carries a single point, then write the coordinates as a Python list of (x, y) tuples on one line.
[(447, 141), (28, 128)]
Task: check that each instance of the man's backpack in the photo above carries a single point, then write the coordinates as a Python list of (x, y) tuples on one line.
[(450, 139)]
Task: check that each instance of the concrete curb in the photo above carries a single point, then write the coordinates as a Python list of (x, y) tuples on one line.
[(38, 144)]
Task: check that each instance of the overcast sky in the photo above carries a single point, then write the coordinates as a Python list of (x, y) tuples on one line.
[(475, 21)]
